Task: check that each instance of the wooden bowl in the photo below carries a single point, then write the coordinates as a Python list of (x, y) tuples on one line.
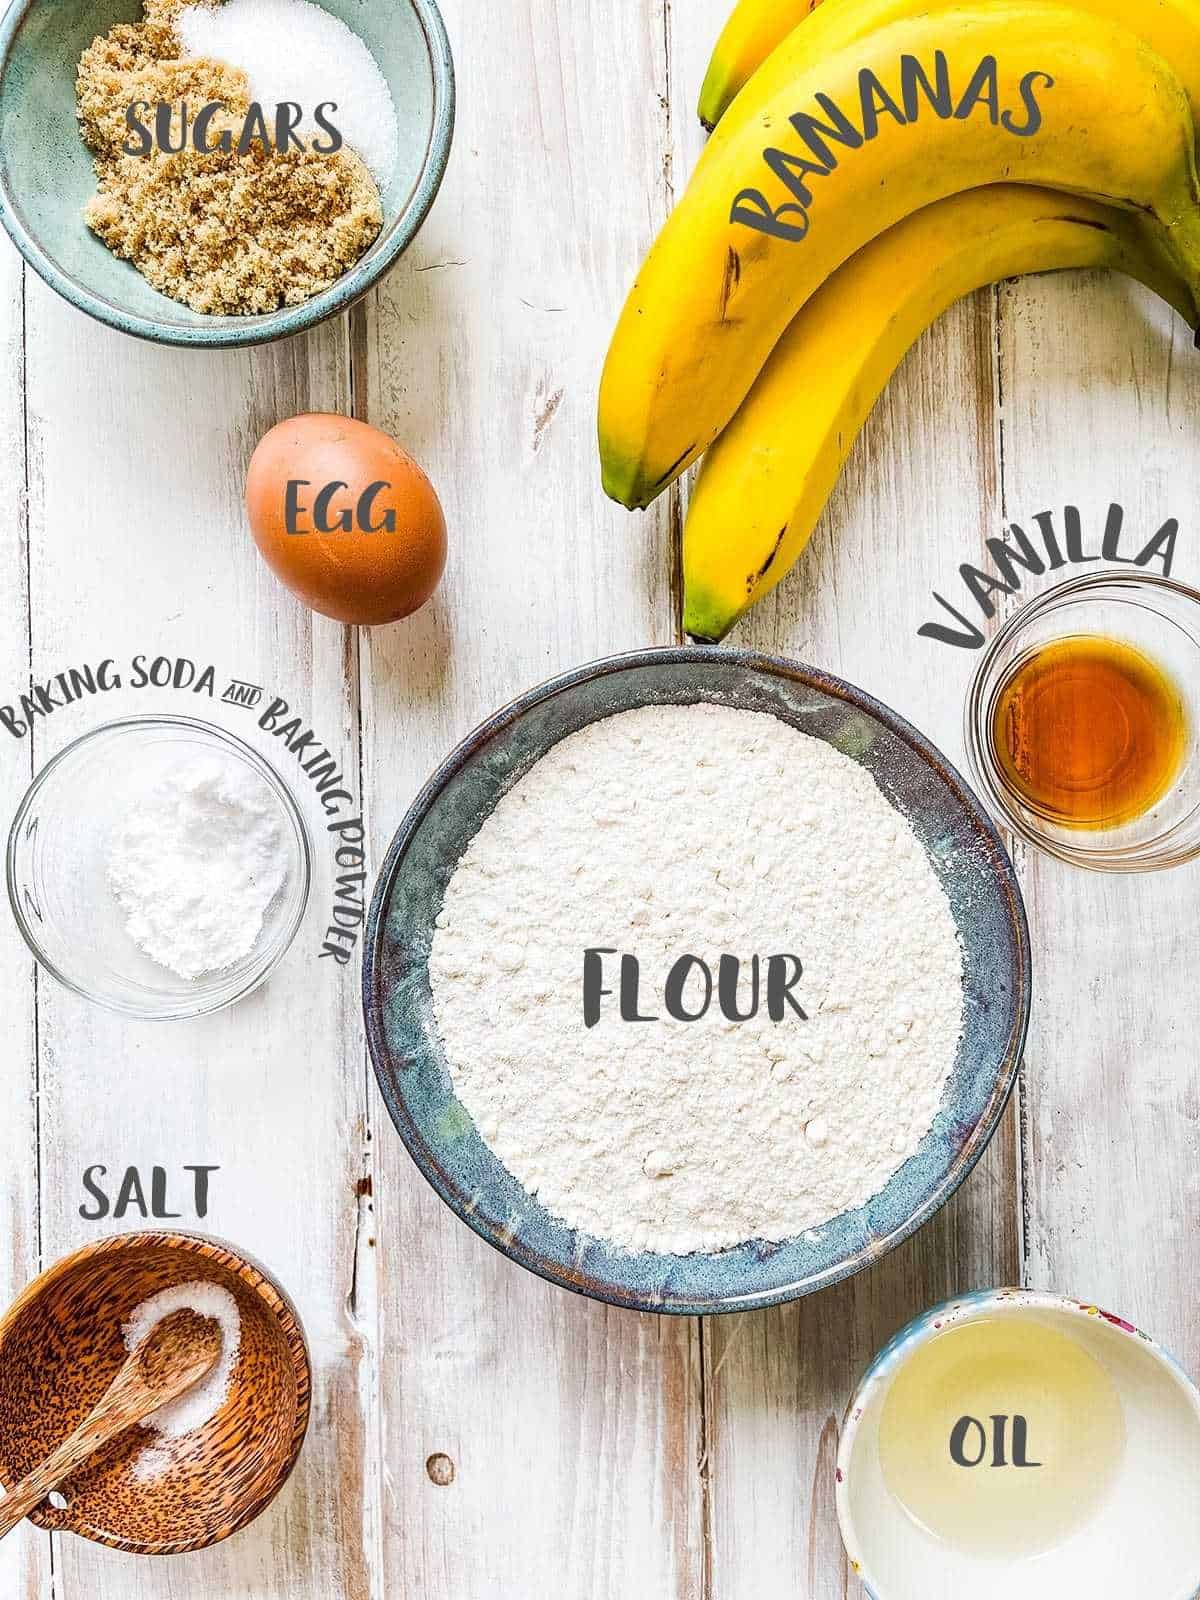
[(60, 1347)]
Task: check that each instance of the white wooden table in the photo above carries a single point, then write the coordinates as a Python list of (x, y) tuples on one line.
[(597, 1455)]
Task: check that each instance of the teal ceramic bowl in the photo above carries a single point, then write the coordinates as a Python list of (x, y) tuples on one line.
[(46, 171), (963, 848)]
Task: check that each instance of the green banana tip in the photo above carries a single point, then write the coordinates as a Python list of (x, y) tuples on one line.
[(704, 624), (714, 95), (622, 484)]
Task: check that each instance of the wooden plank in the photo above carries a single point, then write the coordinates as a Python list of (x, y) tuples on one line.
[(921, 479), (1101, 393), (138, 543), (920, 493), (573, 1430), (25, 1570)]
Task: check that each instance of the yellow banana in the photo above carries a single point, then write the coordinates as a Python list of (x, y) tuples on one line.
[(1171, 28), (765, 481), (928, 107), (752, 32)]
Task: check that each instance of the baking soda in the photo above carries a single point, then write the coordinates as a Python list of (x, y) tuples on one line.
[(197, 862)]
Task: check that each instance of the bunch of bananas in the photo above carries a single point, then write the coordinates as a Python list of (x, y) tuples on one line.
[(871, 162)]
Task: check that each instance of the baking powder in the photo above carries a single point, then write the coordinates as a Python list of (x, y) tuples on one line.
[(698, 830), (196, 863)]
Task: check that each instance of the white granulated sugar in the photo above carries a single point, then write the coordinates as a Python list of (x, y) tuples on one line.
[(293, 50), (200, 1404), (698, 830), (196, 862)]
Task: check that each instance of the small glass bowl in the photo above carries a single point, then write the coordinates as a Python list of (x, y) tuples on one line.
[(1159, 617), (57, 882)]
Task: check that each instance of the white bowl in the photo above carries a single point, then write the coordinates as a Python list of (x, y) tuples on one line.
[(1140, 1542)]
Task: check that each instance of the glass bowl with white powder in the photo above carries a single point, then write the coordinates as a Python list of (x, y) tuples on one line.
[(159, 866), (695, 980)]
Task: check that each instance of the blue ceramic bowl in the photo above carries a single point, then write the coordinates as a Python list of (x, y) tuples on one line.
[(963, 848), (46, 170)]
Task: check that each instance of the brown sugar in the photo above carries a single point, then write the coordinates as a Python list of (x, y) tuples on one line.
[(227, 233)]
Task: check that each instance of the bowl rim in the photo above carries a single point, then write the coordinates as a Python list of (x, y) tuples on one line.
[(917, 1333), (278, 1302), (291, 809), (977, 737), (513, 1246), (224, 333)]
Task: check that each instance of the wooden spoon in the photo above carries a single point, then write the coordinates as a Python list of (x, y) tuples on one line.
[(180, 1350)]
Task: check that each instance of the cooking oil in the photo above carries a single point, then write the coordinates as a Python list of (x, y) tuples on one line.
[(1089, 731), (1001, 1437)]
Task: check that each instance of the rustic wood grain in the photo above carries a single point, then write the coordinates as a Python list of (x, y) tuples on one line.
[(572, 1429), (921, 480), (920, 493), (64, 1365), (1101, 403), (25, 1571), (138, 543)]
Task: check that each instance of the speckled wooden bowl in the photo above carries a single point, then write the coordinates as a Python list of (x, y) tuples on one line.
[(60, 1347)]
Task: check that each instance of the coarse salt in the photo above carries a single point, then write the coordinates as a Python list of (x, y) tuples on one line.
[(294, 50), (200, 1404), (196, 864)]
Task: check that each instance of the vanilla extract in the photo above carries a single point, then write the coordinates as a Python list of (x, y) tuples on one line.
[(1089, 731)]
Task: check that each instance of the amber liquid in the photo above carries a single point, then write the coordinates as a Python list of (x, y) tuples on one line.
[(1089, 732)]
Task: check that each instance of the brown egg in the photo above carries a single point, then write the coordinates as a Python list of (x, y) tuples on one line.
[(345, 518)]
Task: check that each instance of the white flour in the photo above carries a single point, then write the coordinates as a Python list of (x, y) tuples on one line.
[(196, 863), (698, 830)]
